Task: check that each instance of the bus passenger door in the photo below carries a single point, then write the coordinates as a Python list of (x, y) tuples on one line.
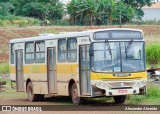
[(19, 71), (52, 72), (84, 68)]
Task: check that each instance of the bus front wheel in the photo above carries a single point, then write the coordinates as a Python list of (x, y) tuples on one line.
[(30, 93), (74, 95), (119, 99)]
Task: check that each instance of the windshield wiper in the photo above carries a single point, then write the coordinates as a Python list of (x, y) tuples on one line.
[(128, 48), (109, 48)]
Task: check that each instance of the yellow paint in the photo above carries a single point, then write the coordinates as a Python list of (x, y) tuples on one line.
[(67, 68), (61, 68), (35, 69), (105, 76), (12, 69)]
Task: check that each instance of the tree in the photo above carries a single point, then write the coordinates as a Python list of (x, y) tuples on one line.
[(42, 9), (90, 12), (6, 7)]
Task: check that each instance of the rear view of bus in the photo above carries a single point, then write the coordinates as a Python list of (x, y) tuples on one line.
[(118, 63)]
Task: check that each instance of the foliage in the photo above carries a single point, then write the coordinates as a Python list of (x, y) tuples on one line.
[(48, 9), (153, 53), (91, 12), (6, 8), (18, 20), (4, 68)]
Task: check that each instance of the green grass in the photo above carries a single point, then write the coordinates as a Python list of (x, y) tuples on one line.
[(151, 98), (19, 21), (4, 68), (153, 53)]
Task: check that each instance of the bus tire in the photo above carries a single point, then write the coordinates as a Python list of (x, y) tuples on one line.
[(30, 93), (74, 95), (119, 99)]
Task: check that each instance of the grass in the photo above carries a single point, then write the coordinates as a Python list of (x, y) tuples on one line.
[(151, 98), (153, 53), (4, 68), (12, 20)]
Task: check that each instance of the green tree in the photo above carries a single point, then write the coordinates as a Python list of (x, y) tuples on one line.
[(90, 12), (42, 9), (6, 7)]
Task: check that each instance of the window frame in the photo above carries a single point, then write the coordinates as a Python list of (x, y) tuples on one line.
[(30, 53), (62, 51), (75, 50), (39, 52)]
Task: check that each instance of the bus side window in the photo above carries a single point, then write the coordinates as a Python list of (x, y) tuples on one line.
[(40, 52), (29, 52), (62, 50), (72, 50), (12, 54)]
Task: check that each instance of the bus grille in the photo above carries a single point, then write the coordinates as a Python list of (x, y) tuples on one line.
[(121, 84)]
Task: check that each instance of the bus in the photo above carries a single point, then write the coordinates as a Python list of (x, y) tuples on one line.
[(93, 63)]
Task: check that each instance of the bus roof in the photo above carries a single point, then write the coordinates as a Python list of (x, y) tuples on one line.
[(65, 35)]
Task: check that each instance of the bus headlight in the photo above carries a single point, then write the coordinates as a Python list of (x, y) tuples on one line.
[(141, 83), (101, 85)]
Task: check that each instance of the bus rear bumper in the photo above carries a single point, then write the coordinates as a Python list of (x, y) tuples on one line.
[(117, 92)]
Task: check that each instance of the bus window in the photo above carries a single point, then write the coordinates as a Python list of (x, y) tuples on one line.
[(40, 52), (72, 50), (29, 52), (62, 50), (12, 54)]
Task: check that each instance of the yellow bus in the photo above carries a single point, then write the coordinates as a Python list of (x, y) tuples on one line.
[(96, 63)]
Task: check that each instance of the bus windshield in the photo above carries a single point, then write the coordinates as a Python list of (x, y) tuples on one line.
[(127, 56)]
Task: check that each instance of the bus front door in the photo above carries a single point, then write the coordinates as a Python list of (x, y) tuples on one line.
[(19, 71), (52, 72), (84, 68)]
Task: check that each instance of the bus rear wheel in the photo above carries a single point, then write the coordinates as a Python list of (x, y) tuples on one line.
[(120, 99), (30, 93), (74, 95)]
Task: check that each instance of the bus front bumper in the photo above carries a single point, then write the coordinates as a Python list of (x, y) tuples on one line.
[(121, 92)]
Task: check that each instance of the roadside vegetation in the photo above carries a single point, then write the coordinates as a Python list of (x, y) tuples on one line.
[(153, 54), (151, 98), (4, 68), (76, 12)]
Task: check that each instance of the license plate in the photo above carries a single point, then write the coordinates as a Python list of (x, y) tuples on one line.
[(122, 91)]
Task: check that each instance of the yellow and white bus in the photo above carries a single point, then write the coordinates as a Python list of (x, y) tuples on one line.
[(96, 63)]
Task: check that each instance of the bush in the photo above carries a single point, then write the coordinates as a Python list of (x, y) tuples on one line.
[(18, 20), (4, 68), (153, 53), (62, 22)]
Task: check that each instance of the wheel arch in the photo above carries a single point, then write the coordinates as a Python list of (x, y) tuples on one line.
[(28, 80)]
